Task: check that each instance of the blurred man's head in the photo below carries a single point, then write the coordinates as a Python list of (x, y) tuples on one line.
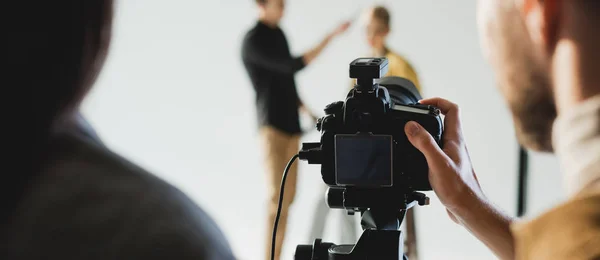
[(57, 49), (532, 44), (271, 11), (378, 26), (522, 65)]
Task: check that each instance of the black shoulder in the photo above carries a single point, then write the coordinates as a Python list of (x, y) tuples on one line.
[(253, 34), (100, 202)]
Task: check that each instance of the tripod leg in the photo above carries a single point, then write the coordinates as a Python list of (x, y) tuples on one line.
[(410, 244), (349, 228)]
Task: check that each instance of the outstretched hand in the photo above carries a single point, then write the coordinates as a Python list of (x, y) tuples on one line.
[(314, 118), (450, 171), (309, 56), (341, 29)]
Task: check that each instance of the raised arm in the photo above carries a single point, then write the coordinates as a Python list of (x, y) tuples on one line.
[(255, 52), (311, 55)]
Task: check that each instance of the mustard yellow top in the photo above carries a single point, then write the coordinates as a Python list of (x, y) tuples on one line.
[(398, 66)]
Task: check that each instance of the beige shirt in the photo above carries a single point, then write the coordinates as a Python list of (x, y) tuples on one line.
[(576, 140), (572, 229)]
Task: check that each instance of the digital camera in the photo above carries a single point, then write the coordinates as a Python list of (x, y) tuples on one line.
[(364, 153)]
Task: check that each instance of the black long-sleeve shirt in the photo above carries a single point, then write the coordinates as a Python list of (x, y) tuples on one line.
[(89, 203), (271, 67)]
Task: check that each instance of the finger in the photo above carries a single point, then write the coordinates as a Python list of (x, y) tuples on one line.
[(422, 140), (444, 105), (451, 111)]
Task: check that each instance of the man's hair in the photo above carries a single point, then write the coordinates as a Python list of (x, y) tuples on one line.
[(382, 14), (590, 8), (56, 51), (261, 2)]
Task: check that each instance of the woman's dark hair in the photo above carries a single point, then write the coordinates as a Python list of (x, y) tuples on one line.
[(55, 52), (382, 14)]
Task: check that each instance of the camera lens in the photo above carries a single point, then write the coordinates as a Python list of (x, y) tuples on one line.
[(401, 90)]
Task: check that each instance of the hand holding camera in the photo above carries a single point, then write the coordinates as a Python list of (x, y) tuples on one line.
[(451, 174), (369, 163)]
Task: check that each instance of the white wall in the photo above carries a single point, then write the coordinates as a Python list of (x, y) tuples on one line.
[(174, 98)]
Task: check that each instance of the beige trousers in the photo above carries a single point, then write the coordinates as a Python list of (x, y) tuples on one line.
[(279, 148)]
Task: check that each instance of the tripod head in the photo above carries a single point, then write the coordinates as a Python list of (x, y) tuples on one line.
[(381, 238), (355, 199)]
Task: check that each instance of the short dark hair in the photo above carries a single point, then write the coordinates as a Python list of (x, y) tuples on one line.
[(591, 7), (56, 51), (261, 2), (382, 14)]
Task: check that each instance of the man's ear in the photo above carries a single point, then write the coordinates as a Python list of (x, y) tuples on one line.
[(542, 18), (552, 21)]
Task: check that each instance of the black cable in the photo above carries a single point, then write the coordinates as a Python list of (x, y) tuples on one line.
[(522, 181), (276, 224)]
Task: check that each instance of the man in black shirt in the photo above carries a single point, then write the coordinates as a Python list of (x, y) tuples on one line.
[(271, 67)]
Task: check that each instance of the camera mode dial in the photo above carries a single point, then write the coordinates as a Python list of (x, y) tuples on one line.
[(334, 108)]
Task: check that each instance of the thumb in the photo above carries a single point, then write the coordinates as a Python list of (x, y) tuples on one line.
[(423, 141)]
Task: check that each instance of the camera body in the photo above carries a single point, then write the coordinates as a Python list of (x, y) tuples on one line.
[(364, 152)]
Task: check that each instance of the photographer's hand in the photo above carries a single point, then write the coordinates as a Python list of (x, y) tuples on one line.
[(455, 183)]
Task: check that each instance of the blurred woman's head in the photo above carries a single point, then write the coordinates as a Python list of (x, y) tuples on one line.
[(378, 27)]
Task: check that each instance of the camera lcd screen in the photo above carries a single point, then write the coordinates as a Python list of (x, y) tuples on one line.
[(363, 160)]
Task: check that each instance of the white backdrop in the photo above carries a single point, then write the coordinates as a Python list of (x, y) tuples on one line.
[(174, 98)]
